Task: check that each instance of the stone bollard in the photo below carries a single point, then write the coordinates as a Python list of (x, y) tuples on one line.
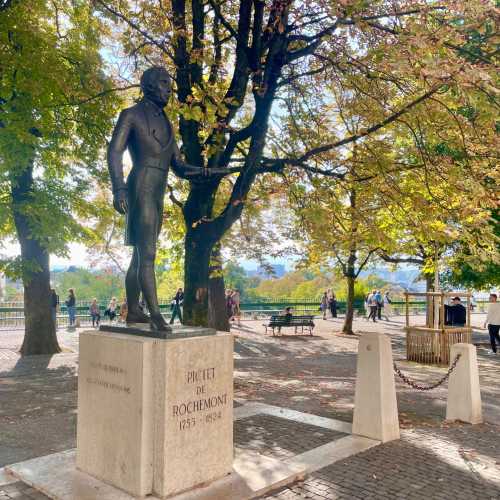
[(464, 394), (375, 405)]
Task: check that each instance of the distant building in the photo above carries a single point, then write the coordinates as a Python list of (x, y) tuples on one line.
[(268, 272)]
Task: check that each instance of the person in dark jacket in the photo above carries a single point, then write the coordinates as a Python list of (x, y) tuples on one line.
[(71, 305), (176, 306), (332, 304), (457, 314), (54, 305)]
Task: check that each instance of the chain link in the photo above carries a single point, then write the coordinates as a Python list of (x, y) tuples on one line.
[(419, 387)]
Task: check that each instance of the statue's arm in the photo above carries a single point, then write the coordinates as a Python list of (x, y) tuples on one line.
[(181, 168), (191, 172), (116, 148)]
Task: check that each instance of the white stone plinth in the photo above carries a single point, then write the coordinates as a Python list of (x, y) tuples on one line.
[(193, 412), (464, 393), (155, 415), (115, 410), (375, 405)]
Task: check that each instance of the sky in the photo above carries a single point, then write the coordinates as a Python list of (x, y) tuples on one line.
[(77, 256)]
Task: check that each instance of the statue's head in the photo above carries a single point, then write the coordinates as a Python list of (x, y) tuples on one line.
[(156, 85)]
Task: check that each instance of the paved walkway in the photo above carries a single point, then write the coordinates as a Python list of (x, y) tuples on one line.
[(311, 374)]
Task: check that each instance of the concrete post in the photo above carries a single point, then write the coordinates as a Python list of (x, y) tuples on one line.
[(375, 405), (464, 393)]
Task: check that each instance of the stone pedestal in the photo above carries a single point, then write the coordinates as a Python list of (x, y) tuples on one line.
[(115, 410), (464, 393), (155, 415), (375, 404), (194, 413)]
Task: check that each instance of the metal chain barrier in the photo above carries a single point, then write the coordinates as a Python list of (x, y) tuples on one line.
[(419, 387)]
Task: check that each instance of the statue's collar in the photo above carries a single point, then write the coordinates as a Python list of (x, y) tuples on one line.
[(157, 110)]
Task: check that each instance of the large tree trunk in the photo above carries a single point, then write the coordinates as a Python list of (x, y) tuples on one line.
[(349, 312), (40, 333), (217, 312), (196, 273)]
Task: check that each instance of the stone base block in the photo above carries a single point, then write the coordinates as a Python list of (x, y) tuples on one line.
[(115, 410), (375, 404), (155, 415), (193, 407), (464, 393)]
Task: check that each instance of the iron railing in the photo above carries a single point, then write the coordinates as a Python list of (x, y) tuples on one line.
[(12, 313)]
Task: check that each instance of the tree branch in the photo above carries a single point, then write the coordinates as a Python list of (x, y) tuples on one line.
[(368, 131), (135, 27), (222, 19), (400, 260), (365, 261)]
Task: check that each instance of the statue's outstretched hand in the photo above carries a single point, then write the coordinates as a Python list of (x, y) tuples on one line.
[(199, 174), (120, 201)]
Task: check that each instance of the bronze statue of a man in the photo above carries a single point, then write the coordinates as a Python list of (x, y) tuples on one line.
[(147, 133)]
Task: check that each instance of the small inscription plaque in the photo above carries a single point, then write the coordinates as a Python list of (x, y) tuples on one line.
[(108, 369), (200, 409), (108, 385)]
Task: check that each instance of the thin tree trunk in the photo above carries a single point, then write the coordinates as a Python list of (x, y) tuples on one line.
[(349, 312), (429, 307), (217, 312), (40, 333)]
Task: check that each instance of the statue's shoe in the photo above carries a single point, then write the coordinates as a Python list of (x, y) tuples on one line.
[(157, 322), (137, 317)]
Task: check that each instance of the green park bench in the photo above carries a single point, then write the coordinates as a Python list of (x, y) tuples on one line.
[(280, 322)]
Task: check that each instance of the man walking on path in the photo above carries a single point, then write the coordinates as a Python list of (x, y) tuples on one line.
[(371, 301), (176, 306), (380, 304), (493, 322)]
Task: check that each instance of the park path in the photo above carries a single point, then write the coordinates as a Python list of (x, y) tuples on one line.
[(311, 374)]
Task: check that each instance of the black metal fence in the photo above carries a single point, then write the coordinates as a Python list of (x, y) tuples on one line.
[(12, 313)]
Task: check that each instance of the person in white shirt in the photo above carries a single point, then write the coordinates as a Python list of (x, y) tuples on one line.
[(387, 306), (493, 322)]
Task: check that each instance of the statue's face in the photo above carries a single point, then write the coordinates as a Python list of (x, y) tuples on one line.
[(159, 89)]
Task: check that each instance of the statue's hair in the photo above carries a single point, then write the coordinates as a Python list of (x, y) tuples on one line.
[(151, 75)]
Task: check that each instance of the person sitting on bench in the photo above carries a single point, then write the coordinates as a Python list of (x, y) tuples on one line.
[(287, 313)]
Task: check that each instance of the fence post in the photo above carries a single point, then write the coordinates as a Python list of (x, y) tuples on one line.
[(375, 404), (464, 393)]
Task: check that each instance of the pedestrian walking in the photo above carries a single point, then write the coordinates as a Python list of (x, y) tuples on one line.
[(235, 296), (493, 322), (54, 306), (372, 306), (332, 304), (388, 306), (380, 304), (176, 305), (229, 304), (324, 304), (71, 306), (95, 312)]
